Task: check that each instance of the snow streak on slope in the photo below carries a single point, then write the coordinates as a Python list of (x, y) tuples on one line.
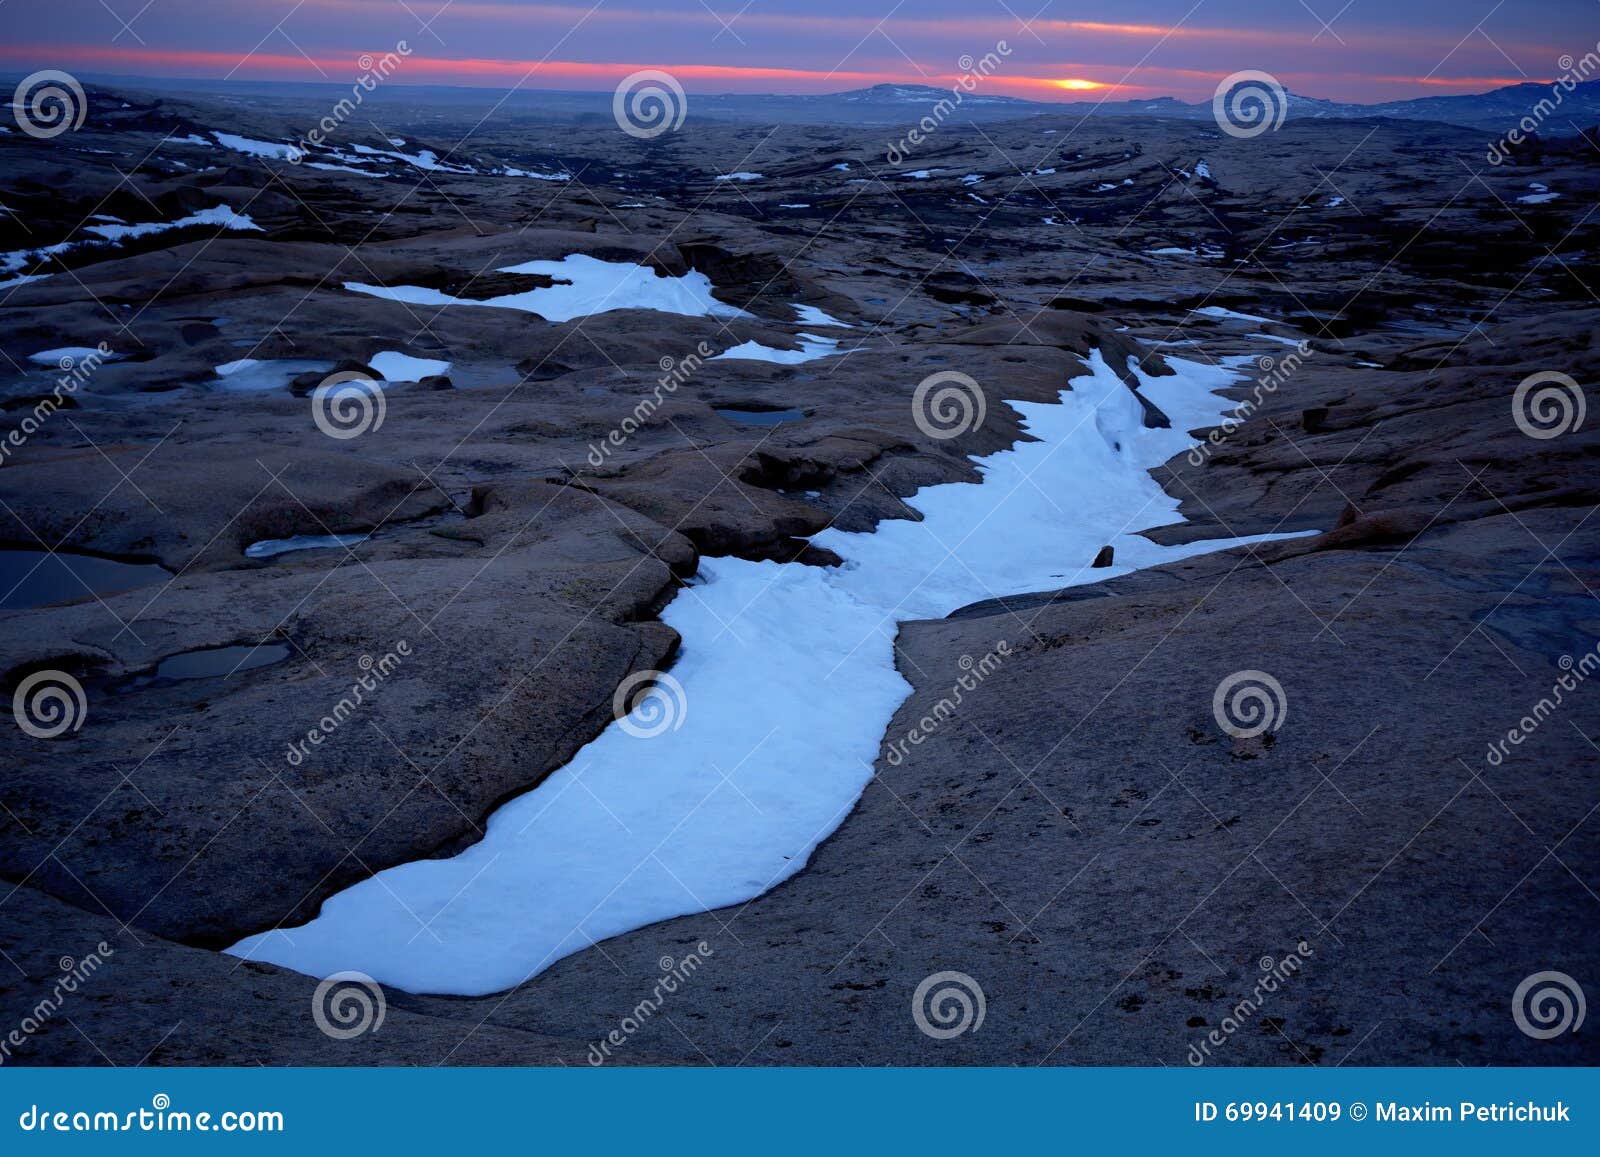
[(788, 681)]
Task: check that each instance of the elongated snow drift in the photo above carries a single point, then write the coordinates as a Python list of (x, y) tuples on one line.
[(788, 681)]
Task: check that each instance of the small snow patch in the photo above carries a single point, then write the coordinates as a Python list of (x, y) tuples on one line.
[(74, 353), (811, 315), (425, 159), (1229, 314), (811, 347), (217, 215), (393, 366), (584, 285), (255, 148), (508, 171), (268, 547), (343, 169), (257, 375)]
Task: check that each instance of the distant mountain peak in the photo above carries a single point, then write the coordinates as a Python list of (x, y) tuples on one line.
[(917, 94), (888, 104)]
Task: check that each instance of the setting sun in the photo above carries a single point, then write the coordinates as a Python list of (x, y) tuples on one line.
[(1078, 84)]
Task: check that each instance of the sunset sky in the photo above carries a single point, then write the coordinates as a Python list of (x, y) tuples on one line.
[(1366, 50)]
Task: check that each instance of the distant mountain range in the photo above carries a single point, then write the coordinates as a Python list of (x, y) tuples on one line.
[(1498, 110), (903, 104)]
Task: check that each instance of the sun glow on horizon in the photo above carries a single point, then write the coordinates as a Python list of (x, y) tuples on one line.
[(1079, 84)]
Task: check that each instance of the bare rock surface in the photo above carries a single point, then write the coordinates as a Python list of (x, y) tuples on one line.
[(1082, 838)]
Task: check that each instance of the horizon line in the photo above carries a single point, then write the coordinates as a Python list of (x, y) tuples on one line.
[(495, 74), (1068, 96)]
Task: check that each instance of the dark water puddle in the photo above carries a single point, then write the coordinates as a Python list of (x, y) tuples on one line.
[(207, 663), (36, 578), (466, 375), (1422, 328), (762, 417), (218, 661)]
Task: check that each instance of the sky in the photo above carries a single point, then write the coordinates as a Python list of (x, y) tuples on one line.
[(1357, 50)]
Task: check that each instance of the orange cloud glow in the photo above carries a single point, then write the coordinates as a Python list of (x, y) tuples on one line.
[(479, 70), (904, 22), (1065, 80), (1471, 83)]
